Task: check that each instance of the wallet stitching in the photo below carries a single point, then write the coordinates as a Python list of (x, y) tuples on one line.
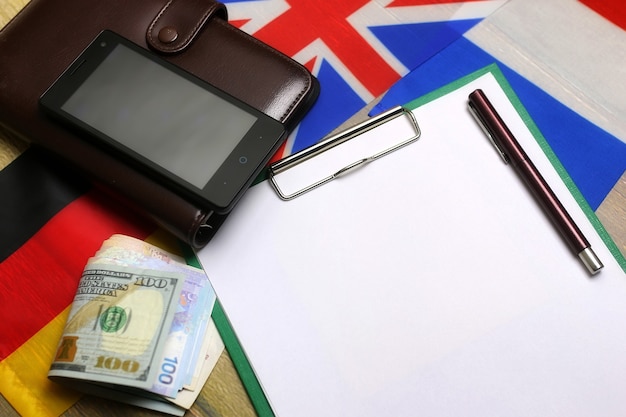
[(202, 21), (154, 22), (284, 58), (185, 42)]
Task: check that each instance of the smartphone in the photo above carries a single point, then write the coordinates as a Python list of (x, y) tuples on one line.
[(189, 135)]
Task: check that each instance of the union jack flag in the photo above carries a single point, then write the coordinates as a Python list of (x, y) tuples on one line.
[(356, 48)]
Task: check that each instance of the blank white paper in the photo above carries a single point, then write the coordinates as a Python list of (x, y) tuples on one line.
[(428, 283)]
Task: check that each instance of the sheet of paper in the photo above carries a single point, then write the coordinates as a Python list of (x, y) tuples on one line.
[(427, 283)]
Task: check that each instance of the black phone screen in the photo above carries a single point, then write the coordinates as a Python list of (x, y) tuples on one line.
[(169, 120), (203, 142)]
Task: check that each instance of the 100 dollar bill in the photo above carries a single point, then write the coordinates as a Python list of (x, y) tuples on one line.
[(117, 325), (181, 354)]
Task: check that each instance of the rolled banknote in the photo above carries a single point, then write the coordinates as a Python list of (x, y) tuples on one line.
[(184, 340), (117, 326), (150, 349), (212, 348)]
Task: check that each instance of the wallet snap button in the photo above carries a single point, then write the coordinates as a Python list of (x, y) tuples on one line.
[(168, 34)]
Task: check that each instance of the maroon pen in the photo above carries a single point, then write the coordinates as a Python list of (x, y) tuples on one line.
[(511, 152)]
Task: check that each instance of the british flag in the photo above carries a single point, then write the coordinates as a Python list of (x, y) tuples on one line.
[(356, 48)]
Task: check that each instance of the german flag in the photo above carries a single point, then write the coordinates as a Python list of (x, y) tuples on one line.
[(51, 222)]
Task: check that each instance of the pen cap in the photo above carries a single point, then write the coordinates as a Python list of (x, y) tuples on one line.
[(501, 136)]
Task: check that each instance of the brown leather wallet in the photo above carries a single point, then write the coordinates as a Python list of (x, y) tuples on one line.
[(47, 35)]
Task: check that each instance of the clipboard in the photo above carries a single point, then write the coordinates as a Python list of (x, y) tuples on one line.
[(342, 168), (426, 283)]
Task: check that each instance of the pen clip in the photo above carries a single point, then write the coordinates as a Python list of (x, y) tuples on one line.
[(485, 129)]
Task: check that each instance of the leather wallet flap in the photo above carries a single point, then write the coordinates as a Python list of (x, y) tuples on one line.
[(179, 22)]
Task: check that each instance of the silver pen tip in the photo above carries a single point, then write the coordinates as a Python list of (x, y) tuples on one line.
[(591, 261)]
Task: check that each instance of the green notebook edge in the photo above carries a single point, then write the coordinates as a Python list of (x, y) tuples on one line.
[(235, 350)]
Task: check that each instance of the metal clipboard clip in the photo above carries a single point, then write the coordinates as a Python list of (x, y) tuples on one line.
[(334, 141)]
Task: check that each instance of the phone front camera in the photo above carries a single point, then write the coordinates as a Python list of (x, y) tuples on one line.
[(103, 44)]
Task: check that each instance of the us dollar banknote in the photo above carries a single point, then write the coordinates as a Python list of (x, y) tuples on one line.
[(181, 359), (140, 328), (118, 325)]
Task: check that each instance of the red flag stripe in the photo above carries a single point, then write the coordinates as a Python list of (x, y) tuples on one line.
[(401, 3), (613, 10), (39, 280), (306, 21)]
